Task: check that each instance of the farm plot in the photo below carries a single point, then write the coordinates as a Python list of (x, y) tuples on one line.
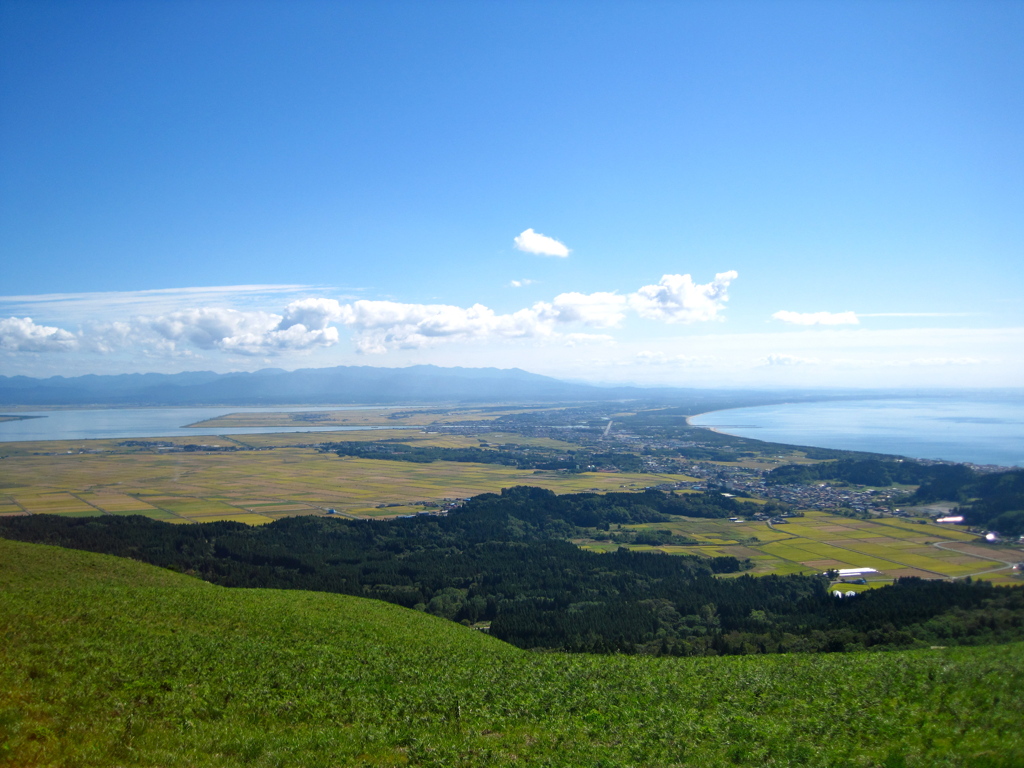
[(820, 541), (53, 504), (258, 486), (116, 503), (8, 507)]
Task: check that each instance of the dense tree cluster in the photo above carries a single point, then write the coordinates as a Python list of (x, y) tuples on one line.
[(994, 501), (508, 455), (874, 472), (505, 559)]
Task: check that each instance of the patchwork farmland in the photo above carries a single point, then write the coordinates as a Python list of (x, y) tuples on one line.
[(820, 541), (282, 475), (257, 486)]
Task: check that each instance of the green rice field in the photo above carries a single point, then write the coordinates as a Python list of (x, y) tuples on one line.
[(820, 541)]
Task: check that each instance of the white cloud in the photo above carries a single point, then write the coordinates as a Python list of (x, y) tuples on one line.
[(929, 361), (377, 326), (384, 325), (314, 314), (303, 327), (649, 357), (918, 362), (94, 307), (542, 245), (602, 310), (917, 314), (677, 299), (575, 339), (21, 334), (521, 283), (817, 318), (786, 360)]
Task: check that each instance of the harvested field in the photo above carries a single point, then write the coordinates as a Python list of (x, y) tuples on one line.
[(100, 477)]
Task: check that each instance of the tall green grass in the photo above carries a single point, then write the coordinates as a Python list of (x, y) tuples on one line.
[(96, 672)]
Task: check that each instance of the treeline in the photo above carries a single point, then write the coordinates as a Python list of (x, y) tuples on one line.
[(504, 559), (508, 455), (994, 501), (872, 472)]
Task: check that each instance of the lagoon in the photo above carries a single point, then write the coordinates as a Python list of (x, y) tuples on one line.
[(979, 431), (131, 423)]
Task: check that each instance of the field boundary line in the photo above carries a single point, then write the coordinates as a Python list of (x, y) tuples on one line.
[(154, 506), (86, 501)]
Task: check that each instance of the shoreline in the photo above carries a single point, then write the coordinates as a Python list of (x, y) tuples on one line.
[(918, 442)]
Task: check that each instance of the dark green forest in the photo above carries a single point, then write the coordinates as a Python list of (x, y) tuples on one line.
[(505, 559), (508, 455), (873, 472)]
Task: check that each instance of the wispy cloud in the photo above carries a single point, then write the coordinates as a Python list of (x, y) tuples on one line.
[(521, 283), (90, 306), (649, 357), (542, 245), (787, 360), (917, 314), (817, 318)]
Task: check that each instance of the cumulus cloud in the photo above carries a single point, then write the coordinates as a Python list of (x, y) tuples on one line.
[(303, 326), (21, 334), (314, 314), (376, 326), (677, 299), (381, 326), (384, 325), (817, 318), (542, 245), (602, 310)]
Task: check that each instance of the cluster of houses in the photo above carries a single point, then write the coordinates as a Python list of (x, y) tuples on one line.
[(750, 481)]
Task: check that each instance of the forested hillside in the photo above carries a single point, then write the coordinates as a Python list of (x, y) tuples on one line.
[(505, 559)]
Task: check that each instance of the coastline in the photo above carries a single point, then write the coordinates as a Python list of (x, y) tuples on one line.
[(979, 433)]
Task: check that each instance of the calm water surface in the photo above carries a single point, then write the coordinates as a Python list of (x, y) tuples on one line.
[(147, 422), (977, 431)]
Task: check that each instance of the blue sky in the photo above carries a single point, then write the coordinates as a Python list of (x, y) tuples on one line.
[(704, 193)]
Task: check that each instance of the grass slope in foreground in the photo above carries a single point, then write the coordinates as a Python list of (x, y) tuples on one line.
[(94, 671)]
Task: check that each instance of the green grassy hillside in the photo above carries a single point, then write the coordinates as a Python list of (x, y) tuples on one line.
[(95, 671)]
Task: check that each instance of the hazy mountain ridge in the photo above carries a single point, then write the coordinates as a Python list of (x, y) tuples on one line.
[(342, 384), (367, 385)]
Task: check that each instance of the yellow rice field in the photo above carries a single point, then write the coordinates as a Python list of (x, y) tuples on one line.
[(100, 477)]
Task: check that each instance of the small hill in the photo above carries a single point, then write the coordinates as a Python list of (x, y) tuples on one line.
[(41, 566), (95, 671)]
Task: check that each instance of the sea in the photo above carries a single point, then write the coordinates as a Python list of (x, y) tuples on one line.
[(977, 431), (135, 423)]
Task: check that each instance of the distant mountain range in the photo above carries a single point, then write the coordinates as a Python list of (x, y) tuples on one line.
[(367, 385), (314, 386)]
